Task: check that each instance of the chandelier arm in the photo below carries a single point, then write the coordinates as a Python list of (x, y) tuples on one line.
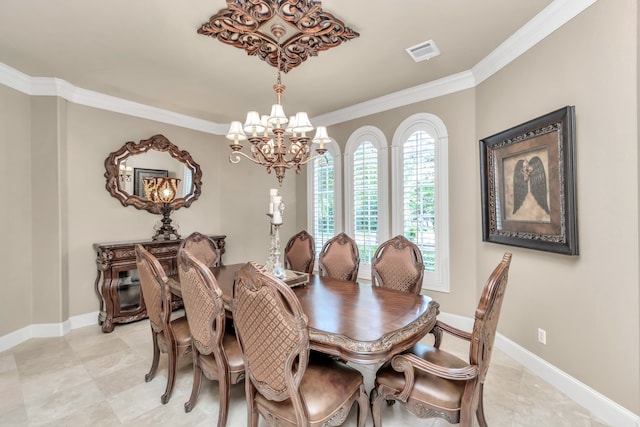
[(234, 158), (319, 156)]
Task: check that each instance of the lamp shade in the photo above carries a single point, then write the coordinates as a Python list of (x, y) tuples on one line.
[(253, 125), (322, 137), (150, 189), (167, 189), (291, 125), (235, 132), (277, 117), (302, 123)]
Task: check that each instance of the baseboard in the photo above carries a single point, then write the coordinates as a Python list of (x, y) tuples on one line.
[(45, 330), (596, 403)]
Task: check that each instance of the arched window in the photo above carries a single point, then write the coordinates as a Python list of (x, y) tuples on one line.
[(324, 209), (366, 193), (420, 199)]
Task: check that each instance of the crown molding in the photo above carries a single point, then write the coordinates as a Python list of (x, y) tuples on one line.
[(554, 16), (15, 79), (546, 22), (434, 89), (51, 86)]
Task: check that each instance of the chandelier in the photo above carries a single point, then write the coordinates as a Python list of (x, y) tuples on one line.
[(267, 134)]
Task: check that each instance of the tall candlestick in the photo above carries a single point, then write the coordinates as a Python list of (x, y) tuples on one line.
[(276, 209)]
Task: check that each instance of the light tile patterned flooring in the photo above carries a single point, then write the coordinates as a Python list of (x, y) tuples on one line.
[(88, 378)]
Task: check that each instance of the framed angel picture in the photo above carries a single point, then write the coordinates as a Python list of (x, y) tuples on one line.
[(528, 184)]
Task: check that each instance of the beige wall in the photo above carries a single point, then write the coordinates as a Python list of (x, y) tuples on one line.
[(15, 215), (48, 215), (588, 304)]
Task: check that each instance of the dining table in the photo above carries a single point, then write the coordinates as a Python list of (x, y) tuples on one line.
[(353, 321)]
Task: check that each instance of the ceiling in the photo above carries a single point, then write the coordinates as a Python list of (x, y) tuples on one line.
[(148, 51)]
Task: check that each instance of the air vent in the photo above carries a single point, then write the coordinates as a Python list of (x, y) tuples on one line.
[(424, 50)]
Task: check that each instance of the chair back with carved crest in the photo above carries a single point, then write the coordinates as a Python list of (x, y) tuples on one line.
[(202, 248), (397, 264), (340, 258), (300, 253)]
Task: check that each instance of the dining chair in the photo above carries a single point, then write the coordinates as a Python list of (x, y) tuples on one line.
[(431, 382), (216, 352), (397, 264), (169, 336), (284, 384), (300, 253), (203, 248), (340, 258)]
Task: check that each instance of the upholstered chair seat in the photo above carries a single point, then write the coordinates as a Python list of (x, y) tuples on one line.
[(441, 393), (325, 386), (234, 358)]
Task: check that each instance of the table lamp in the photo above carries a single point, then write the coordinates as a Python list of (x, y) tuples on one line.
[(163, 191)]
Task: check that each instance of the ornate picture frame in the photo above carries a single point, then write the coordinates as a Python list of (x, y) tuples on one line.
[(528, 184)]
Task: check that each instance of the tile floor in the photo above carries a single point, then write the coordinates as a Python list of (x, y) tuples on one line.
[(88, 378)]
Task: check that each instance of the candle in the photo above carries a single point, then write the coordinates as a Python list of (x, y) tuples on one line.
[(272, 193), (277, 218), (276, 204), (277, 215)]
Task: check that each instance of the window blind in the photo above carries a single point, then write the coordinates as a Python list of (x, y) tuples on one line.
[(419, 191), (365, 200), (323, 201)]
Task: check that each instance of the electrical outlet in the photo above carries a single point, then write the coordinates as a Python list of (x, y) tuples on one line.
[(542, 336)]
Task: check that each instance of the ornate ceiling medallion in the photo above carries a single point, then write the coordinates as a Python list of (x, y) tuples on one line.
[(300, 27)]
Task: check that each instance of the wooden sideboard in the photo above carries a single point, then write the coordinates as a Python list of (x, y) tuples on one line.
[(117, 284)]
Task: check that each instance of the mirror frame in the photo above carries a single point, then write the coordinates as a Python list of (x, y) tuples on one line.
[(157, 143)]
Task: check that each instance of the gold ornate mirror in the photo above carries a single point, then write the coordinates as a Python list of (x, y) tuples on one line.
[(127, 168)]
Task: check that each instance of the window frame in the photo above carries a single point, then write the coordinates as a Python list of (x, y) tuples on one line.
[(377, 138), (334, 149), (434, 126)]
